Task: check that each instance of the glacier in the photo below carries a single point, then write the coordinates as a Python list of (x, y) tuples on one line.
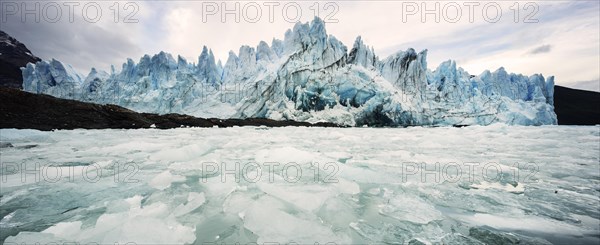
[(308, 76)]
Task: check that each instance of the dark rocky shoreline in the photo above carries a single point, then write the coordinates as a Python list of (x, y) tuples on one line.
[(24, 110)]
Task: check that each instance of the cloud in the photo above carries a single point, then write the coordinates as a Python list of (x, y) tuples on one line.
[(541, 49), (79, 43), (569, 29)]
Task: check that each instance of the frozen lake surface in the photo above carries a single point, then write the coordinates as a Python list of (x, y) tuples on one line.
[(496, 184)]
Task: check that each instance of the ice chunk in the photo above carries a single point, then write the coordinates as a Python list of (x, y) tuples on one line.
[(164, 180), (184, 153), (283, 227), (402, 208), (194, 201)]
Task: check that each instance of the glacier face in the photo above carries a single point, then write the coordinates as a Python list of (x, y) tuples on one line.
[(308, 76)]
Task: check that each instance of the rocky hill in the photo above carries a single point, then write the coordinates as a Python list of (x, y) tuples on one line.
[(13, 56)]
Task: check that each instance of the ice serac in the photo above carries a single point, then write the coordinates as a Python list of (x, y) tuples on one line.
[(309, 76), (264, 53), (277, 46), (302, 81), (207, 68), (54, 78), (92, 84), (360, 54), (406, 70)]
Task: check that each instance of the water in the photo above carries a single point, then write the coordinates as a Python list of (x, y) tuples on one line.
[(496, 184)]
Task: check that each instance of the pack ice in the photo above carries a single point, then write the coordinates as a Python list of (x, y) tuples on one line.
[(309, 76), (473, 185)]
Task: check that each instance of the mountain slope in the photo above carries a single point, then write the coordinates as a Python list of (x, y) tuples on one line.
[(13, 56), (576, 107)]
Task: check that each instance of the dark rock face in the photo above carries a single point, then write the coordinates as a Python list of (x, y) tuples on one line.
[(35, 111), (576, 107), (13, 56)]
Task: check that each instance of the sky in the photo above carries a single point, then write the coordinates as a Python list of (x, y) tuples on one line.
[(559, 38)]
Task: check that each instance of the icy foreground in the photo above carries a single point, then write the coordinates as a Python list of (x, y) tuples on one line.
[(367, 190), (309, 76)]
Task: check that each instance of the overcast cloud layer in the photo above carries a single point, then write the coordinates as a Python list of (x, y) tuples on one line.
[(564, 42)]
